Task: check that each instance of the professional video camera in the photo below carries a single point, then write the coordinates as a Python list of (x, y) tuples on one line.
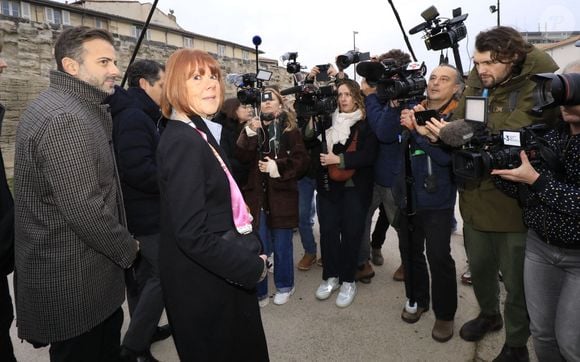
[(441, 34), (487, 152), (402, 83), (313, 100), (249, 85), (351, 57), (556, 90), (292, 66)]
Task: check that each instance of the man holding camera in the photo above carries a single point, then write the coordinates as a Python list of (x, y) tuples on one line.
[(551, 212), (428, 225), (493, 228)]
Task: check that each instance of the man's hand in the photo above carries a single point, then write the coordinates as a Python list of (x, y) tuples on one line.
[(434, 126), (408, 120), (526, 173)]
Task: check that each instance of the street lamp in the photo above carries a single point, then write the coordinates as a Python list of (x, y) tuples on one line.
[(354, 33), (493, 9)]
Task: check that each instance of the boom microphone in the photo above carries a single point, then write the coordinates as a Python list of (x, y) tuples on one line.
[(291, 90), (456, 133), (418, 28)]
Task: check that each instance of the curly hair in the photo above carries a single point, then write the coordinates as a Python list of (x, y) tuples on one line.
[(505, 45), (399, 56)]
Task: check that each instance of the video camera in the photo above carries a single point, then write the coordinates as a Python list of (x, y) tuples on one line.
[(249, 86), (484, 153), (351, 57), (441, 34), (292, 66), (312, 100), (402, 83)]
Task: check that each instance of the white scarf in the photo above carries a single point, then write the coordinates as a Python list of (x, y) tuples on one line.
[(340, 129)]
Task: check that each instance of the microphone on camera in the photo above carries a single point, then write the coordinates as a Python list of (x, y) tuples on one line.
[(370, 70), (291, 90), (456, 133)]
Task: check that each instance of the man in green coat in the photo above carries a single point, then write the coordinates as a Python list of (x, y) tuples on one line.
[(494, 231)]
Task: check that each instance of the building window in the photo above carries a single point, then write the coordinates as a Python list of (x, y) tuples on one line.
[(11, 8), (100, 23), (137, 32), (56, 16), (221, 50), (245, 56), (187, 42), (25, 7)]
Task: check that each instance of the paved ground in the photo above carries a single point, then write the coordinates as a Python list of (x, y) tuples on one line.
[(371, 329)]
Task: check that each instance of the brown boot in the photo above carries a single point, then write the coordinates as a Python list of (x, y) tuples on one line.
[(442, 330), (364, 273), (307, 261), (399, 274)]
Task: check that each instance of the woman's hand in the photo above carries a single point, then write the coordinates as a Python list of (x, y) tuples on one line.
[(526, 173), (329, 158), (254, 124)]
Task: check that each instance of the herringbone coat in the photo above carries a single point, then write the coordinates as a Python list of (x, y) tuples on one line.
[(71, 247)]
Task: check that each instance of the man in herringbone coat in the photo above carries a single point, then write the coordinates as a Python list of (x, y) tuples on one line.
[(71, 243)]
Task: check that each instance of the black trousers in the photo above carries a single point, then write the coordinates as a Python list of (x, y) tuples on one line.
[(342, 224), (100, 344), (144, 295), (6, 318), (381, 226), (432, 231)]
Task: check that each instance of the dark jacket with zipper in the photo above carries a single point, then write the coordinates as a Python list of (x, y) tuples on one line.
[(136, 123)]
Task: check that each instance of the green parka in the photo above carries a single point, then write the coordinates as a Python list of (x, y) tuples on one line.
[(482, 205)]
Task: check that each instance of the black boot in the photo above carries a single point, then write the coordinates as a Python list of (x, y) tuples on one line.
[(475, 329), (128, 355), (161, 333), (513, 354)]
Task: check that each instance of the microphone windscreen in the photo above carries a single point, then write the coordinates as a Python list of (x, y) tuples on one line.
[(370, 70), (456, 133)]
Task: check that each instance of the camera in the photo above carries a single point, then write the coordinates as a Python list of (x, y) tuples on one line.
[(351, 57), (501, 151), (555, 89), (292, 66), (312, 100), (249, 85), (441, 34), (402, 83)]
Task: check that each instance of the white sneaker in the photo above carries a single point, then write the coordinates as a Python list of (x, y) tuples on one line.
[(346, 294), (263, 302), (283, 297), (326, 288)]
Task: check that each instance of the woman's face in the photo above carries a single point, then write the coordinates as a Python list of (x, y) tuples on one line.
[(204, 91), (272, 105), (244, 113), (345, 100)]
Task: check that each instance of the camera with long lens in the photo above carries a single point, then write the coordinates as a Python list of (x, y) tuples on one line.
[(292, 65), (249, 86), (555, 90), (441, 33), (501, 151), (312, 100), (343, 61), (404, 82)]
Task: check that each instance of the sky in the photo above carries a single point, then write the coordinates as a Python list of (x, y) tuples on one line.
[(321, 30)]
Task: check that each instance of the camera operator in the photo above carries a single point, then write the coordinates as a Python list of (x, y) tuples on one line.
[(493, 229), (552, 262), (384, 122), (274, 148), (434, 194)]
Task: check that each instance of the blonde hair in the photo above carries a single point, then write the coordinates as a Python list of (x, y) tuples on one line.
[(180, 67), (291, 115)]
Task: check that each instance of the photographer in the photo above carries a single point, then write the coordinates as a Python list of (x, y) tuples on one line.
[(433, 198), (383, 120), (274, 148), (493, 229), (344, 192), (551, 211)]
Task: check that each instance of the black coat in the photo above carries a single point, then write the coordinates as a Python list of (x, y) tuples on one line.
[(136, 122), (211, 317), (6, 219)]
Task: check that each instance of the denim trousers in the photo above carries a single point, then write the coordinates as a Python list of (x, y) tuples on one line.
[(552, 286), (306, 212), (488, 253), (431, 234), (279, 242)]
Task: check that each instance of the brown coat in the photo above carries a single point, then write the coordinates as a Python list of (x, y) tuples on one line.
[(281, 198)]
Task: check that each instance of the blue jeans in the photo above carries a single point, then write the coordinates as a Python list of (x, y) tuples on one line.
[(278, 241), (552, 286), (307, 211)]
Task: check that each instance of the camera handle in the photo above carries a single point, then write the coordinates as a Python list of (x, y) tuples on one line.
[(457, 57), (410, 211), (264, 182)]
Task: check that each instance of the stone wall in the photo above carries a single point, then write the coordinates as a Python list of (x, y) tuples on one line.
[(28, 51)]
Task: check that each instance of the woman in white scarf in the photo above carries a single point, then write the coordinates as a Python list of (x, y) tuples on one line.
[(343, 204)]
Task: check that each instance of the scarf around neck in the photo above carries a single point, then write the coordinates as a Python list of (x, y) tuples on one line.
[(340, 129)]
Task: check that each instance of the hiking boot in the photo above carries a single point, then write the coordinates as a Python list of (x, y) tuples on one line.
[(442, 330), (413, 317), (513, 354), (399, 274), (307, 261), (364, 273), (475, 329)]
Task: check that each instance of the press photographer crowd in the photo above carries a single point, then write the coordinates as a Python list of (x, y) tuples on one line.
[(184, 201)]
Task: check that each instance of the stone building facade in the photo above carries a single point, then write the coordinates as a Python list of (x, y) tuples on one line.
[(28, 51)]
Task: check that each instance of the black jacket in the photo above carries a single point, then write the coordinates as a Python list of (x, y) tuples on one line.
[(6, 219), (136, 130)]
